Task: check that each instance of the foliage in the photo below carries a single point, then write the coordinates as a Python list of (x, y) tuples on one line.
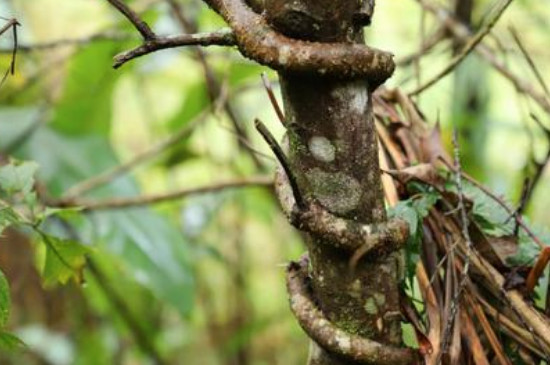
[(202, 276)]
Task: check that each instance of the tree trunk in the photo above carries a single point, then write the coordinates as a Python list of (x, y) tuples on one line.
[(334, 147)]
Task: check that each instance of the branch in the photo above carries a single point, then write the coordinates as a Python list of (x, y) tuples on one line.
[(500, 201), (258, 41), (13, 24), (285, 164), (468, 48), (111, 174), (118, 203), (215, 87), (330, 337), (222, 37), (141, 26), (103, 36), (463, 34)]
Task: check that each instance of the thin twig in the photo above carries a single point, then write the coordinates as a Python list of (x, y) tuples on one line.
[(64, 42), (214, 85), (11, 23), (281, 157), (500, 202), (222, 37), (141, 26), (111, 174), (119, 203), (466, 235), (529, 60), (540, 166), (463, 34), (141, 337), (472, 43), (273, 99)]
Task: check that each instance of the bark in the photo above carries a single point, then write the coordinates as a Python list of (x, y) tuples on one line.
[(333, 150)]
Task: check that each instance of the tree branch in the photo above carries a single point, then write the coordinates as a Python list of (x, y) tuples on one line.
[(463, 34), (118, 203), (141, 26), (111, 174), (222, 37), (468, 48)]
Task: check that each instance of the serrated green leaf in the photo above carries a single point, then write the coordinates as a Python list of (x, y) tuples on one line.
[(18, 177), (64, 260), (5, 300), (10, 342)]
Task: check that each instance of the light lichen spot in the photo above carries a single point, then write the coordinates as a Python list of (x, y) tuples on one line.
[(355, 95), (371, 307), (338, 192), (359, 102), (322, 149), (343, 341), (380, 299), (355, 289), (284, 53)]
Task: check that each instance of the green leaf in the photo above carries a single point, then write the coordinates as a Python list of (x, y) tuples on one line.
[(5, 301), (85, 106), (18, 177), (10, 342), (150, 247), (488, 213), (65, 260), (414, 210)]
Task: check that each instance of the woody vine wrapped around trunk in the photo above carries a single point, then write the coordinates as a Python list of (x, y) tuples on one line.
[(330, 184)]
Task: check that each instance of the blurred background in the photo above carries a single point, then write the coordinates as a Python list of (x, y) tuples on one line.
[(200, 280)]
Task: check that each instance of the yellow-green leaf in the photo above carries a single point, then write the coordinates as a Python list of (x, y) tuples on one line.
[(64, 260)]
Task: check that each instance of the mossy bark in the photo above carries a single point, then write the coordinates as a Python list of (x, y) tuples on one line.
[(333, 149)]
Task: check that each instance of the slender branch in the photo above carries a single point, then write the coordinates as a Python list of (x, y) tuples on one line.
[(274, 146), (141, 26), (119, 203), (463, 34), (44, 46), (468, 48), (140, 335), (111, 174), (214, 86), (13, 24), (529, 60), (500, 202), (330, 337), (455, 304), (222, 37), (273, 99), (540, 166)]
